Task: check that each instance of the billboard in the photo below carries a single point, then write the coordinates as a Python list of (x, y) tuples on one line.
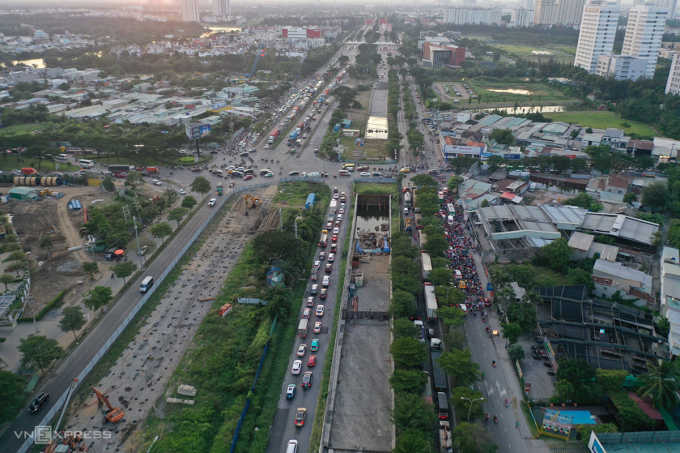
[(197, 130)]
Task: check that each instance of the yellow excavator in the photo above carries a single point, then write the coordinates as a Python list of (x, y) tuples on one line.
[(252, 202)]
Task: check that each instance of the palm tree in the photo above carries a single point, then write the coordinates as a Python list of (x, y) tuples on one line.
[(47, 244), (661, 382)]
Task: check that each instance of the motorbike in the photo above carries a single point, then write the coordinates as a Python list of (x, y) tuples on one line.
[(506, 403), (494, 364), (495, 419), (487, 416), (487, 331)]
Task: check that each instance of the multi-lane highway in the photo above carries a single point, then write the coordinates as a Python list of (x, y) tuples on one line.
[(58, 382)]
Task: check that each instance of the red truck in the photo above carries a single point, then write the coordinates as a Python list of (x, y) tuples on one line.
[(273, 136)]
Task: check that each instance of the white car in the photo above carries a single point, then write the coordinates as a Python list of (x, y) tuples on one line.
[(182, 192), (301, 350), (326, 281), (297, 366), (341, 211), (336, 230), (366, 174), (212, 202)]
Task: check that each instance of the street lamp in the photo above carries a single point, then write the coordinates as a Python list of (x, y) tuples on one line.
[(471, 401)]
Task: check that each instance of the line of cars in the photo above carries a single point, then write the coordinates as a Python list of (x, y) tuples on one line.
[(333, 221)]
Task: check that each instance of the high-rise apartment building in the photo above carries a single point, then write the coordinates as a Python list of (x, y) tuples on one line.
[(521, 17), (222, 7), (597, 33), (190, 11), (643, 34), (562, 12), (673, 83), (670, 5), (460, 16)]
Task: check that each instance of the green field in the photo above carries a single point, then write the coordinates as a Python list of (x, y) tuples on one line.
[(11, 162), (505, 92), (20, 129), (559, 52), (603, 120)]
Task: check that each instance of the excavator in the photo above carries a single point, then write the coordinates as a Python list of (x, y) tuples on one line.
[(69, 442), (114, 414), (252, 202)]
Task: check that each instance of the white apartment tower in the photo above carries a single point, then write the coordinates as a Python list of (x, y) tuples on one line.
[(222, 8), (190, 11), (563, 12), (472, 15), (597, 33), (643, 34), (673, 84), (521, 17)]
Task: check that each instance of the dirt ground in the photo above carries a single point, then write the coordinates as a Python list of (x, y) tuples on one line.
[(51, 218)]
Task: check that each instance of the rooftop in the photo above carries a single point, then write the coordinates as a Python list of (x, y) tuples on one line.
[(637, 442), (622, 226)]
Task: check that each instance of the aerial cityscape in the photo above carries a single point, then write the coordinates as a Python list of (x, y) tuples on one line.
[(409, 227)]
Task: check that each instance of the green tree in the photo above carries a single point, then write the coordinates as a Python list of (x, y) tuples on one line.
[(162, 230), (578, 276), (462, 406), (436, 245), (453, 184), (449, 295), (585, 430), (408, 352), (12, 395), (171, 195), (38, 352), (523, 314), (73, 319), (90, 268), (503, 136), (177, 215), (516, 352), (661, 383), (611, 380), (123, 270), (425, 181), (403, 304), (630, 197), (485, 203), (454, 339), (200, 185), (411, 381), (473, 438), (7, 278), (134, 179), (451, 316), (46, 244), (440, 277), (189, 202), (655, 196), (512, 332), (98, 297), (556, 255), (403, 328), (459, 365), (412, 441), (108, 184), (411, 412)]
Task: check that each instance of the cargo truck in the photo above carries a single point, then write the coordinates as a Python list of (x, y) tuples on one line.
[(273, 137), (324, 238), (426, 264), (302, 328), (334, 205), (292, 137), (445, 439), (430, 302), (441, 382), (407, 225), (220, 188), (121, 168)]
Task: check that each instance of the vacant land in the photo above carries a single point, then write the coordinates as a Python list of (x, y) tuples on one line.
[(503, 92), (558, 52), (13, 161), (20, 129), (603, 120)]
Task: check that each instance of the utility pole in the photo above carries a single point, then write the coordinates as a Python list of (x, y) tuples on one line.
[(139, 249)]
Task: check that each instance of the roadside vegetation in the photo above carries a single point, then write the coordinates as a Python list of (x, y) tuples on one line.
[(226, 351)]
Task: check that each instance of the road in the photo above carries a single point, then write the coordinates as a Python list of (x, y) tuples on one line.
[(283, 428), (58, 382)]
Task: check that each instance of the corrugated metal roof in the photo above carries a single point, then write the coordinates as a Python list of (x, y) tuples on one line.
[(581, 241), (489, 120)]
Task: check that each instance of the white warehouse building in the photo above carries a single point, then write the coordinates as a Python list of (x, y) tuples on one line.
[(621, 67)]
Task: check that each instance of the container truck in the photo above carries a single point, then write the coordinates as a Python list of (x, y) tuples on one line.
[(427, 394), (430, 302), (427, 265), (441, 382), (302, 328), (334, 205), (292, 137), (121, 168), (273, 137)]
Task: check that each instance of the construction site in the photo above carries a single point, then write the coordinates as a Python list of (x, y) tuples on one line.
[(141, 379)]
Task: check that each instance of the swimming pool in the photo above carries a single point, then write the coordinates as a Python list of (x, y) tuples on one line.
[(579, 417)]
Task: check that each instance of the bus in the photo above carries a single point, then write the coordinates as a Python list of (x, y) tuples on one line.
[(450, 208), (427, 265)]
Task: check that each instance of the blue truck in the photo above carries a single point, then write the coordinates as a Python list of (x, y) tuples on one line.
[(311, 198), (291, 138)]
